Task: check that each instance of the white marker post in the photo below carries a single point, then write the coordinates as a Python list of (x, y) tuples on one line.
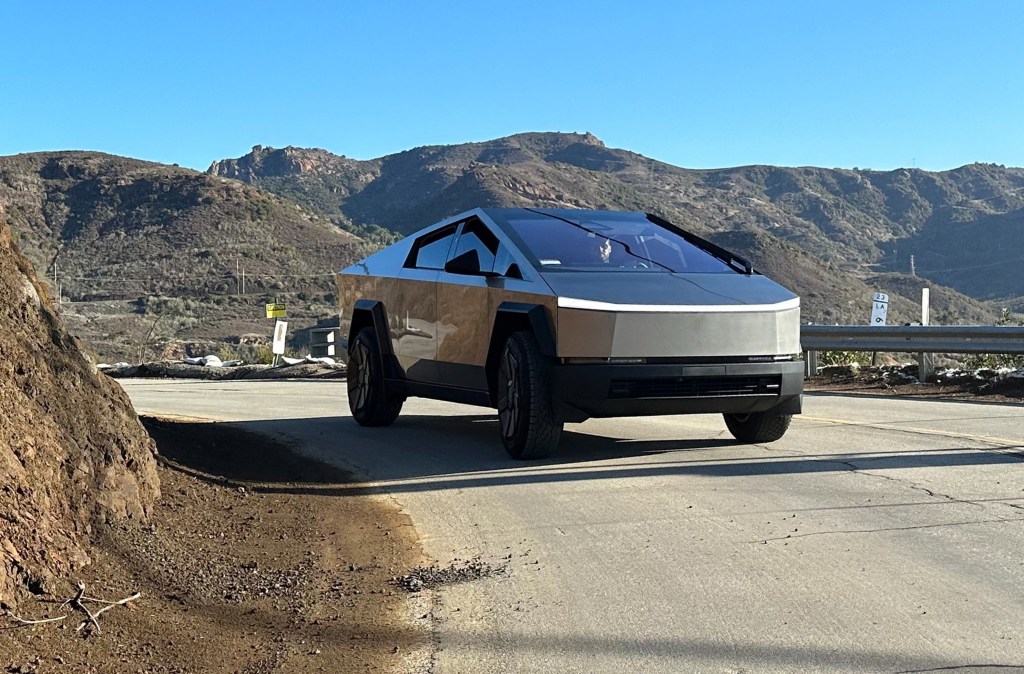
[(924, 360), (879, 312), (280, 332), (879, 309)]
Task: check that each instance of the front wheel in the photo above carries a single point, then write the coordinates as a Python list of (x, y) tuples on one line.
[(368, 398), (758, 427), (525, 412)]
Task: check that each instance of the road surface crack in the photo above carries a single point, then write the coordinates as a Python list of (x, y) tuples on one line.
[(882, 530), (916, 487)]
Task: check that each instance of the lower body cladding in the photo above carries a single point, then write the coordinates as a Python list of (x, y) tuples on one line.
[(582, 391)]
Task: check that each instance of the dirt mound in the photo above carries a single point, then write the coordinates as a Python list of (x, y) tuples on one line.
[(72, 450)]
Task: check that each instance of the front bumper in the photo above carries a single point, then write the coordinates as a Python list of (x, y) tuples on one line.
[(602, 390)]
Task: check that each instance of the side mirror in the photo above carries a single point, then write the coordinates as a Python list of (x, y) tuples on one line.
[(467, 264)]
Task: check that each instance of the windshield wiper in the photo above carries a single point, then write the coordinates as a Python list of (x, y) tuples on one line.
[(603, 235), (737, 262)]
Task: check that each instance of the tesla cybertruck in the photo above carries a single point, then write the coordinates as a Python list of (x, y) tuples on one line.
[(555, 316)]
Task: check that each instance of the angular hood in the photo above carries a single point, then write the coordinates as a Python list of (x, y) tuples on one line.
[(668, 289)]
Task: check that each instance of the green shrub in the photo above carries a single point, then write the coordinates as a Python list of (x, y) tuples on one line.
[(844, 357), (994, 361), (227, 352)]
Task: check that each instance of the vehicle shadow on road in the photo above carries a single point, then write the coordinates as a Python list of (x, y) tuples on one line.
[(428, 453)]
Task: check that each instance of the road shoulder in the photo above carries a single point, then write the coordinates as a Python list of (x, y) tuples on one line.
[(252, 562)]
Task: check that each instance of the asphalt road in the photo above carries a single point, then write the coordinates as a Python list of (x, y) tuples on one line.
[(879, 535)]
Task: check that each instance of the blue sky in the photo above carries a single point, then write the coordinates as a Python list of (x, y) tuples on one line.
[(932, 84)]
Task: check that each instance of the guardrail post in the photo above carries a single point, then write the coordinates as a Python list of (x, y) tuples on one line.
[(924, 366), (924, 359), (810, 363), (322, 342)]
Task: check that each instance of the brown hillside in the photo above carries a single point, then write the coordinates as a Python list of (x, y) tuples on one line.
[(838, 297), (122, 236), (118, 227), (121, 227), (72, 451)]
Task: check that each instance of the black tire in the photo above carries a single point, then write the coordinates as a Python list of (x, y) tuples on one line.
[(525, 415), (368, 398), (758, 427)]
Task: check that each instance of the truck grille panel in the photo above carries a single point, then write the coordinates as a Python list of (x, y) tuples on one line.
[(693, 387)]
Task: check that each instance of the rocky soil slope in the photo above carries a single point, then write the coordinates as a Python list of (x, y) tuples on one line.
[(72, 451)]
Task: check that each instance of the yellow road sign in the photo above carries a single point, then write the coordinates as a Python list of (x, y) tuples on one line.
[(275, 311)]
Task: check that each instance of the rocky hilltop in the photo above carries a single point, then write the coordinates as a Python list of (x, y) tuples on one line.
[(72, 451)]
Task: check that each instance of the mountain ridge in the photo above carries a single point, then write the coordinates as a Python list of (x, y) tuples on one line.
[(856, 217), (865, 222), (191, 255)]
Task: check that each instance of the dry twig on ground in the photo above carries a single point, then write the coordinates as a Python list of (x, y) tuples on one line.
[(77, 603), (25, 623)]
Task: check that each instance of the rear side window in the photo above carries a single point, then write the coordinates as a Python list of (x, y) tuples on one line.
[(476, 236), (431, 251)]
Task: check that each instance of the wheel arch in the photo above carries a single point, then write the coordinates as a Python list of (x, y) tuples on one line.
[(514, 317), (371, 314)]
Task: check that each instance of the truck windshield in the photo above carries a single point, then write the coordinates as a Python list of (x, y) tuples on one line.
[(612, 242)]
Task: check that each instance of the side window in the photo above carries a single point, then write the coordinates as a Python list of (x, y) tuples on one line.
[(505, 264), (476, 236), (431, 251)]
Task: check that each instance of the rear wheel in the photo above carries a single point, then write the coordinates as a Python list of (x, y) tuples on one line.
[(525, 412), (758, 427), (368, 398)]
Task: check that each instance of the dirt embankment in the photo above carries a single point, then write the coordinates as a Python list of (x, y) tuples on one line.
[(254, 560), (72, 450)]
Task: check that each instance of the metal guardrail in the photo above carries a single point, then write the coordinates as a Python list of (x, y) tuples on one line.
[(920, 339), (323, 342), (913, 338)]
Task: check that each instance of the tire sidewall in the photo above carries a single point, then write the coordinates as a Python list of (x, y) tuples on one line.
[(536, 433), (375, 382), (517, 440)]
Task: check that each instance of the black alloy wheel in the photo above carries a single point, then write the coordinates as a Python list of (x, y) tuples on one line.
[(525, 413)]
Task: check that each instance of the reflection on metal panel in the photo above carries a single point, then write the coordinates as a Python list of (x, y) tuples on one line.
[(463, 324), (603, 334), (413, 317), (352, 288)]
